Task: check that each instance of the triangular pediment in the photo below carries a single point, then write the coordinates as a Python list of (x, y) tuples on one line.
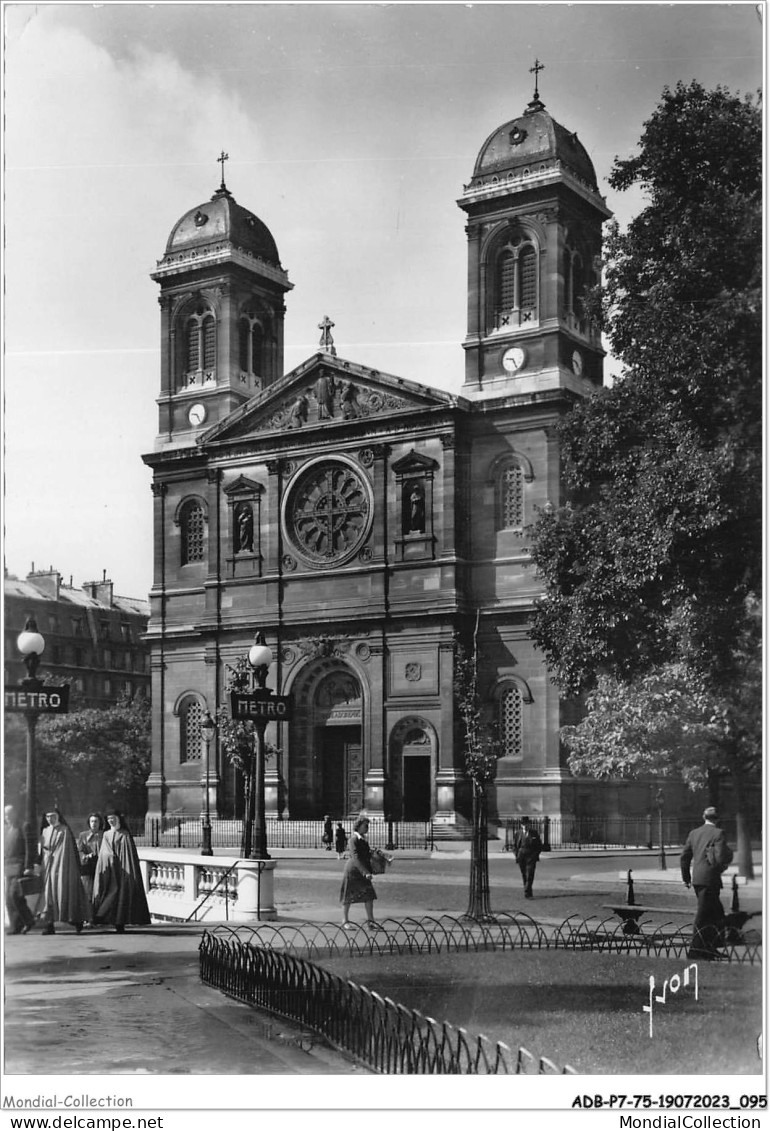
[(243, 486), (414, 462), (325, 392)]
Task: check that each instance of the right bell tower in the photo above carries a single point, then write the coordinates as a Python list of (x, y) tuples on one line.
[(534, 228)]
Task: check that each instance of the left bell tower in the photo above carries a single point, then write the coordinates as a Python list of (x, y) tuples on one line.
[(222, 291)]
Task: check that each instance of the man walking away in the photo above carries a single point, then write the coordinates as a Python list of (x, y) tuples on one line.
[(527, 847), (706, 855)]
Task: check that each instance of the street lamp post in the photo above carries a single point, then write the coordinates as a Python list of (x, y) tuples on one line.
[(260, 658), (31, 644), (659, 800), (208, 730)]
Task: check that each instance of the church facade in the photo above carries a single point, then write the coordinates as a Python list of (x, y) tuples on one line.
[(362, 522)]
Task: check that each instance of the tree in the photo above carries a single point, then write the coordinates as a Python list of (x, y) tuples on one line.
[(89, 758), (655, 558), (669, 722), (481, 750)]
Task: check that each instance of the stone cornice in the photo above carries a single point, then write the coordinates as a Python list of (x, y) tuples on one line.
[(180, 262)]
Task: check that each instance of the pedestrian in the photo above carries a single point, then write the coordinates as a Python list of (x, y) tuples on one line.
[(357, 878), (119, 896), (527, 847), (64, 900), (328, 834), (89, 842), (20, 918), (340, 840), (706, 855)]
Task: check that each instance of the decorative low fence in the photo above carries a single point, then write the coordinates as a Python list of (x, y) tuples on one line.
[(387, 1037), (503, 931)]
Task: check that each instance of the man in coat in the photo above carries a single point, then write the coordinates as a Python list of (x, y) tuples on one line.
[(706, 855), (527, 847)]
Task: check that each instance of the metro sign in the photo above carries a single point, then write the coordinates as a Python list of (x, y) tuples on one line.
[(44, 700), (260, 706)]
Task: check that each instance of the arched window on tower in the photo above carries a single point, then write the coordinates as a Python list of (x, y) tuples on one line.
[(577, 280), (199, 352), (252, 342), (190, 719), (510, 722), (192, 523), (515, 299)]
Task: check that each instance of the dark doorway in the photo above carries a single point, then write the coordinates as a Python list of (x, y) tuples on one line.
[(416, 792), (342, 789)]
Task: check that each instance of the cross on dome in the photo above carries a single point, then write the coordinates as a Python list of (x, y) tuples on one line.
[(221, 161), (536, 104)]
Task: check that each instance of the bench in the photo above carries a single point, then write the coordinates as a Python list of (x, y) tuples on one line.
[(630, 912)]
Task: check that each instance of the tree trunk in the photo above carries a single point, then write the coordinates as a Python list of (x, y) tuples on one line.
[(478, 896), (742, 829)]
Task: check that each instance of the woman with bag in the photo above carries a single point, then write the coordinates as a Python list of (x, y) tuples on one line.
[(357, 878)]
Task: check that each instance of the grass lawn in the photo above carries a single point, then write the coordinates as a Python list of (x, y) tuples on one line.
[(582, 1009)]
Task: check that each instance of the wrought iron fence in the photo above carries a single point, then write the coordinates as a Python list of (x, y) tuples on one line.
[(377, 1031), (187, 832), (608, 832)]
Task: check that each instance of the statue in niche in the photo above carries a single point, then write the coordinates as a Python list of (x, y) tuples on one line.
[(298, 412), (324, 394), (348, 401), (244, 529), (414, 509)]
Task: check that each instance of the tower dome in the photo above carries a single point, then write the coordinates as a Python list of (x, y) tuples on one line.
[(530, 144), (217, 223)]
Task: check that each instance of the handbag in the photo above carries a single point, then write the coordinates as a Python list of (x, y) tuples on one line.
[(380, 861)]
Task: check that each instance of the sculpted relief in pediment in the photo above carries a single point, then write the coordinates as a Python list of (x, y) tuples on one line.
[(330, 397)]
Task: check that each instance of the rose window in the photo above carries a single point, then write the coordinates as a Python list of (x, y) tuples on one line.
[(328, 513)]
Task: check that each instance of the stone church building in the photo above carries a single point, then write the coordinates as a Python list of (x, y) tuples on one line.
[(360, 520)]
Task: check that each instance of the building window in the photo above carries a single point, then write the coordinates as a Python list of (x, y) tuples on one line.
[(108, 687), (192, 523), (512, 498), (190, 718), (514, 285), (199, 352), (77, 627), (510, 721), (252, 344)]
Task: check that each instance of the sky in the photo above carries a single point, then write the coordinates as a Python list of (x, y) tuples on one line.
[(351, 130)]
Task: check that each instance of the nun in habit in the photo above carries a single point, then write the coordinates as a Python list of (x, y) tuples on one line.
[(64, 900), (119, 896)]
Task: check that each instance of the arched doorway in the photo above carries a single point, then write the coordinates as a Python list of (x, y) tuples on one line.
[(413, 762), (337, 716), (325, 765)]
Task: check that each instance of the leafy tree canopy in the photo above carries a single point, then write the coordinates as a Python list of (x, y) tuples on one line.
[(658, 548), (93, 757)]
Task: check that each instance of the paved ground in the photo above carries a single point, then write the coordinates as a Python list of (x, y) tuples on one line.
[(104, 1003)]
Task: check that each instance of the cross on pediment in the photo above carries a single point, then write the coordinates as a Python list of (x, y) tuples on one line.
[(327, 341)]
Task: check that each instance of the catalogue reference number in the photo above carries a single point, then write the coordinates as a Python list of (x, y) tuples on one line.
[(669, 1101)]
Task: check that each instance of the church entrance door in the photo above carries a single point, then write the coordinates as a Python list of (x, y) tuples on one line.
[(343, 771), (417, 782)]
